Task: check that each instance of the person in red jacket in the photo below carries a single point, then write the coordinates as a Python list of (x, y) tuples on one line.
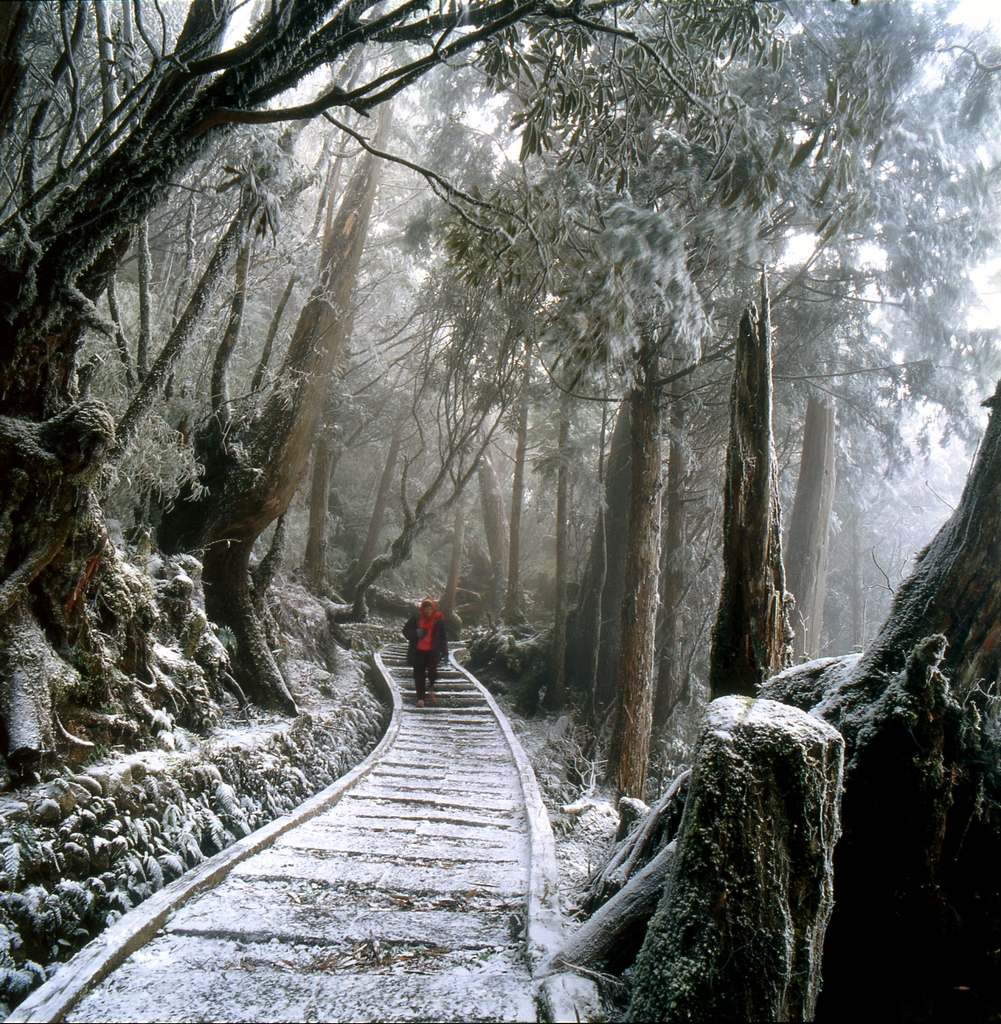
[(427, 645)]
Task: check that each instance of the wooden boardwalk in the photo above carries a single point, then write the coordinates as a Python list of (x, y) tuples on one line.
[(424, 890)]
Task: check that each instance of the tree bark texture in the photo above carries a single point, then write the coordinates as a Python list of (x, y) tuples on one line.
[(594, 626), (605, 931), (751, 637), (805, 551), (739, 932), (512, 599), (556, 692), (253, 468), (918, 900), (629, 748), (494, 526), (42, 578), (670, 685)]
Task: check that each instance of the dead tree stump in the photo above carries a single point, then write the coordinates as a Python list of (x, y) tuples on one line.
[(740, 930)]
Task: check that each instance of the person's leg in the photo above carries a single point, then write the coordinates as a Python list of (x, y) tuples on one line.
[(432, 675), (420, 670)]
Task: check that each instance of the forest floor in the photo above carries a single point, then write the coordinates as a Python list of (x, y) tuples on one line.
[(90, 842), (214, 786), (584, 822)]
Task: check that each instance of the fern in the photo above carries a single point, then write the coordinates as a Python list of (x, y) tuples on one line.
[(169, 862), (12, 864), (76, 896), (19, 983), (154, 873), (119, 899), (226, 798)]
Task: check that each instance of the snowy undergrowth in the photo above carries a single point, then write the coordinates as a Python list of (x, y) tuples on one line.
[(93, 843), (581, 812)]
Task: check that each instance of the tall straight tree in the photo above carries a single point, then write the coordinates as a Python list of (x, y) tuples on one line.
[(669, 669), (629, 749), (512, 599), (751, 637), (448, 602), (494, 526), (556, 694), (382, 493), (809, 526)]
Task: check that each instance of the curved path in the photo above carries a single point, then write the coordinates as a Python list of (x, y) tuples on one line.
[(421, 887)]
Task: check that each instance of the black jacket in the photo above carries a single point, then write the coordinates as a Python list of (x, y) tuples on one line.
[(437, 634)]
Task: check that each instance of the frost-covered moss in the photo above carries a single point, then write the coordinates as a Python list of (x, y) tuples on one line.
[(86, 848), (740, 930)]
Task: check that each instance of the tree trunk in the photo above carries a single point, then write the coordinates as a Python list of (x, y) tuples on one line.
[(452, 621), (670, 671), (371, 545), (593, 626), (855, 595), (809, 526), (494, 526), (15, 19), (105, 48), (612, 925), (253, 468), (145, 300), (229, 602), (219, 387), (152, 385), (512, 600), (918, 897), (52, 542), (315, 564), (751, 636), (739, 932), (629, 749), (269, 340), (556, 693)]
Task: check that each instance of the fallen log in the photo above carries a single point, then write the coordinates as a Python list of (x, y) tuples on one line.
[(629, 909), (639, 845)]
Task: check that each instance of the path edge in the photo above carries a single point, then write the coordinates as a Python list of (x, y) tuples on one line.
[(565, 996), (51, 1001)]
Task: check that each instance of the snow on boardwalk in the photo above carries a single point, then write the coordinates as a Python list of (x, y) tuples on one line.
[(406, 901)]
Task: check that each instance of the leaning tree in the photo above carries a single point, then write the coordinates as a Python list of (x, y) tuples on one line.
[(90, 157)]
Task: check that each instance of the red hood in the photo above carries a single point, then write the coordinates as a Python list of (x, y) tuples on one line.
[(435, 614)]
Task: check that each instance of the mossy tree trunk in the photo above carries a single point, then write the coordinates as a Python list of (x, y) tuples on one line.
[(751, 637), (324, 461), (918, 895), (629, 748), (805, 553), (739, 931), (253, 467)]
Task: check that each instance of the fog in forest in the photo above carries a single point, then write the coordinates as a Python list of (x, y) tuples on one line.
[(655, 342)]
